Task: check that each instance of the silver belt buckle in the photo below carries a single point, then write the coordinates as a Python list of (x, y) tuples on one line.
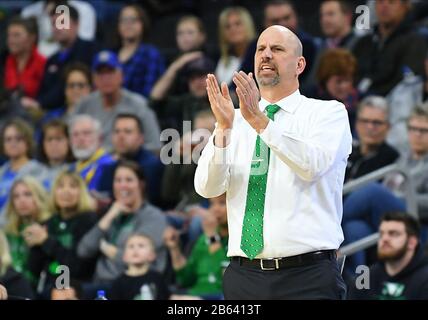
[(270, 269)]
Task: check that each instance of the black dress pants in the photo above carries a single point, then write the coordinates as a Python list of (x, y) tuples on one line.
[(320, 280)]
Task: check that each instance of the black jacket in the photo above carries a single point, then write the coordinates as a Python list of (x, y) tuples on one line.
[(383, 61), (16, 285), (410, 284), (61, 248), (359, 165), (51, 94)]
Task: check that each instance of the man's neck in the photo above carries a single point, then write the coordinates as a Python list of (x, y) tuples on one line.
[(341, 34), (22, 59), (276, 93), (18, 163), (395, 267), (65, 45), (110, 100), (138, 270), (366, 149), (386, 29)]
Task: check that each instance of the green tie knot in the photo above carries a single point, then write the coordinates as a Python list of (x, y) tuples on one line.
[(271, 110)]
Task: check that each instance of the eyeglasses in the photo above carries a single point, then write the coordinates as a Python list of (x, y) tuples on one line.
[(375, 123), (78, 85), (12, 139), (421, 131)]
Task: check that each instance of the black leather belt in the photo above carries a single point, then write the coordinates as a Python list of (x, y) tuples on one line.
[(287, 262)]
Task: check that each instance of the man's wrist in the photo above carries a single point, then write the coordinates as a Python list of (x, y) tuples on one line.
[(259, 123)]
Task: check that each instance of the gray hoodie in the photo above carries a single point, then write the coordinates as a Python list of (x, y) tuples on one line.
[(149, 220)]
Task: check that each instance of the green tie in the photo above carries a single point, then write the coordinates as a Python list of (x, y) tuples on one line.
[(252, 227)]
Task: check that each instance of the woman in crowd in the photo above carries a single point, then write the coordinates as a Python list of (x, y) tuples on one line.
[(78, 84), (27, 205), (17, 145), (17, 286), (54, 150), (190, 37), (130, 213), (142, 63), (55, 243), (236, 31)]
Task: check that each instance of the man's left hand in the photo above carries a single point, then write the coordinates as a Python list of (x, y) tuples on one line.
[(249, 96)]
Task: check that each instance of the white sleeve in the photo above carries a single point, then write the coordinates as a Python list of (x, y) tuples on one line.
[(213, 172), (310, 157)]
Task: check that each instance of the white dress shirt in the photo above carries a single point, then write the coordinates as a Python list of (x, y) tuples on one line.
[(310, 141)]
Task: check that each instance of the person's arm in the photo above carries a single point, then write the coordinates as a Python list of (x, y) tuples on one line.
[(171, 239), (163, 85), (89, 245), (213, 172)]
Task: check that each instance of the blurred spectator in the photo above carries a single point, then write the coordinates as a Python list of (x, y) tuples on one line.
[(55, 243), (130, 213), (51, 94), (414, 159), (24, 65), (190, 37), (174, 109), (17, 145), (27, 205), (139, 254), (402, 273), (41, 10), (55, 150), (370, 152), (335, 80), (86, 141), (17, 286), (110, 99), (384, 55), (78, 84), (236, 31), (142, 63), (128, 140), (201, 273), (363, 208), (283, 12), (336, 24), (188, 150)]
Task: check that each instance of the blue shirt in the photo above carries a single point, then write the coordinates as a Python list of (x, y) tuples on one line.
[(143, 69)]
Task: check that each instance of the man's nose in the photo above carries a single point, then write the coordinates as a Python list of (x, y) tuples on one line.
[(267, 54)]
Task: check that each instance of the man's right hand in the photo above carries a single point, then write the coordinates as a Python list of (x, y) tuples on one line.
[(221, 103), (171, 238)]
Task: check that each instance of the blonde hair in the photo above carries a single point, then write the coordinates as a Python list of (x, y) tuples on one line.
[(85, 204), (248, 23), (5, 257), (40, 198)]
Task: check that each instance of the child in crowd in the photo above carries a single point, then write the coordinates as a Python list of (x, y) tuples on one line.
[(139, 282)]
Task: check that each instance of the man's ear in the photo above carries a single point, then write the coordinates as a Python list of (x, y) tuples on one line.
[(413, 243), (301, 64)]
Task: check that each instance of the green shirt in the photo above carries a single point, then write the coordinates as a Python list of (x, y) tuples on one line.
[(19, 252), (203, 272)]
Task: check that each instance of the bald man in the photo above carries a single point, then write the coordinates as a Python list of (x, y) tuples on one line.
[(281, 160)]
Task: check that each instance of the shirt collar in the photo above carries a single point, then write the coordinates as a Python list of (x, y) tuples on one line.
[(288, 104)]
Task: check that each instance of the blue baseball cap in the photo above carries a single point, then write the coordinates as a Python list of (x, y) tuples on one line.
[(106, 58)]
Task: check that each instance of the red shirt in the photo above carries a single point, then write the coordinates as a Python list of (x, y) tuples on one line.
[(30, 78)]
